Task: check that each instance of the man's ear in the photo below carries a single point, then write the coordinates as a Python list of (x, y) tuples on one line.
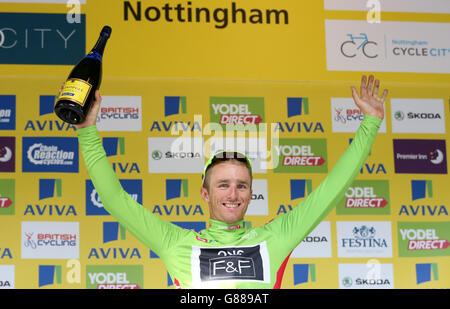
[(205, 195)]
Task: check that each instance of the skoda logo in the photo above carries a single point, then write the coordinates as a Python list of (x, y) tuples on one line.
[(156, 155), (399, 115), (347, 282)]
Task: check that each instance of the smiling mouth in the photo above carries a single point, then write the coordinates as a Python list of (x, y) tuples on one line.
[(231, 205)]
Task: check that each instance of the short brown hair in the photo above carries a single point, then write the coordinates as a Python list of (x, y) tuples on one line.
[(224, 156)]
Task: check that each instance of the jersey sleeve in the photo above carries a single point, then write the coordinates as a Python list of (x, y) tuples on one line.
[(148, 228), (295, 225)]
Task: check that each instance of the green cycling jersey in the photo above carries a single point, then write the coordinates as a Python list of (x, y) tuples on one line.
[(226, 255)]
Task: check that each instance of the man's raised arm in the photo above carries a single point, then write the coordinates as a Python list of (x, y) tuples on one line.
[(298, 223)]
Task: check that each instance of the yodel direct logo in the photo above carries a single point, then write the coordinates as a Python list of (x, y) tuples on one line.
[(50, 154), (114, 277), (424, 239), (301, 156), (237, 110), (366, 196)]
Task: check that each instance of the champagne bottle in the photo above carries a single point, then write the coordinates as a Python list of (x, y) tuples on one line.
[(77, 95)]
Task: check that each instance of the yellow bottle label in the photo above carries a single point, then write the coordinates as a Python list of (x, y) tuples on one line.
[(75, 90)]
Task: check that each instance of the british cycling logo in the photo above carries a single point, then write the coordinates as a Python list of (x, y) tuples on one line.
[(50, 240)]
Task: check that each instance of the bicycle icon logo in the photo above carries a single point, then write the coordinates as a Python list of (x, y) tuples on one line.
[(29, 242), (350, 48), (339, 116)]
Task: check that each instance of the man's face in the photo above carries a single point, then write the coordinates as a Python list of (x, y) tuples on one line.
[(229, 191)]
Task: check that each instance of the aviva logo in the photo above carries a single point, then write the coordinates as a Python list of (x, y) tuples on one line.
[(49, 274), (299, 188), (176, 187), (49, 188), (114, 146), (304, 273), (112, 231), (46, 104), (421, 189), (426, 272), (297, 106), (174, 105)]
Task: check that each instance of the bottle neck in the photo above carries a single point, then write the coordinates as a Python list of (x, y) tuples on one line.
[(99, 47)]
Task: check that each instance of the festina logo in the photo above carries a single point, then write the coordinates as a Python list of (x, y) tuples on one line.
[(364, 236)]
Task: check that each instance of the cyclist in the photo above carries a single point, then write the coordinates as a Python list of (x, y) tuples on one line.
[(227, 255)]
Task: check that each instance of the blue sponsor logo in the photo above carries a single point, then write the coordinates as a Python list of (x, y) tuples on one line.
[(7, 112), (49, 275), (304, 273), (299, 187), (421, 189), (94, 206), (50, 154), (173, 105), (176, 187), (114, 146), (297, 106), (112, 231), (39, 38), (426, 272), (48, 188)]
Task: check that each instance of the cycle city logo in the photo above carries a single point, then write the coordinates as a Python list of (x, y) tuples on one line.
[(353, 45)]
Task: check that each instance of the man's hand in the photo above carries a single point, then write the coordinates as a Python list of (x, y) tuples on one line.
[(91, 118), (368, 101)]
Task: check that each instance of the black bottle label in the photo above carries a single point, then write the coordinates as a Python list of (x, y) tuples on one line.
[(75, 90)]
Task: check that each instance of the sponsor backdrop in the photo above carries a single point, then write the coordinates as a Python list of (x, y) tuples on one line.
[(185, 78)]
